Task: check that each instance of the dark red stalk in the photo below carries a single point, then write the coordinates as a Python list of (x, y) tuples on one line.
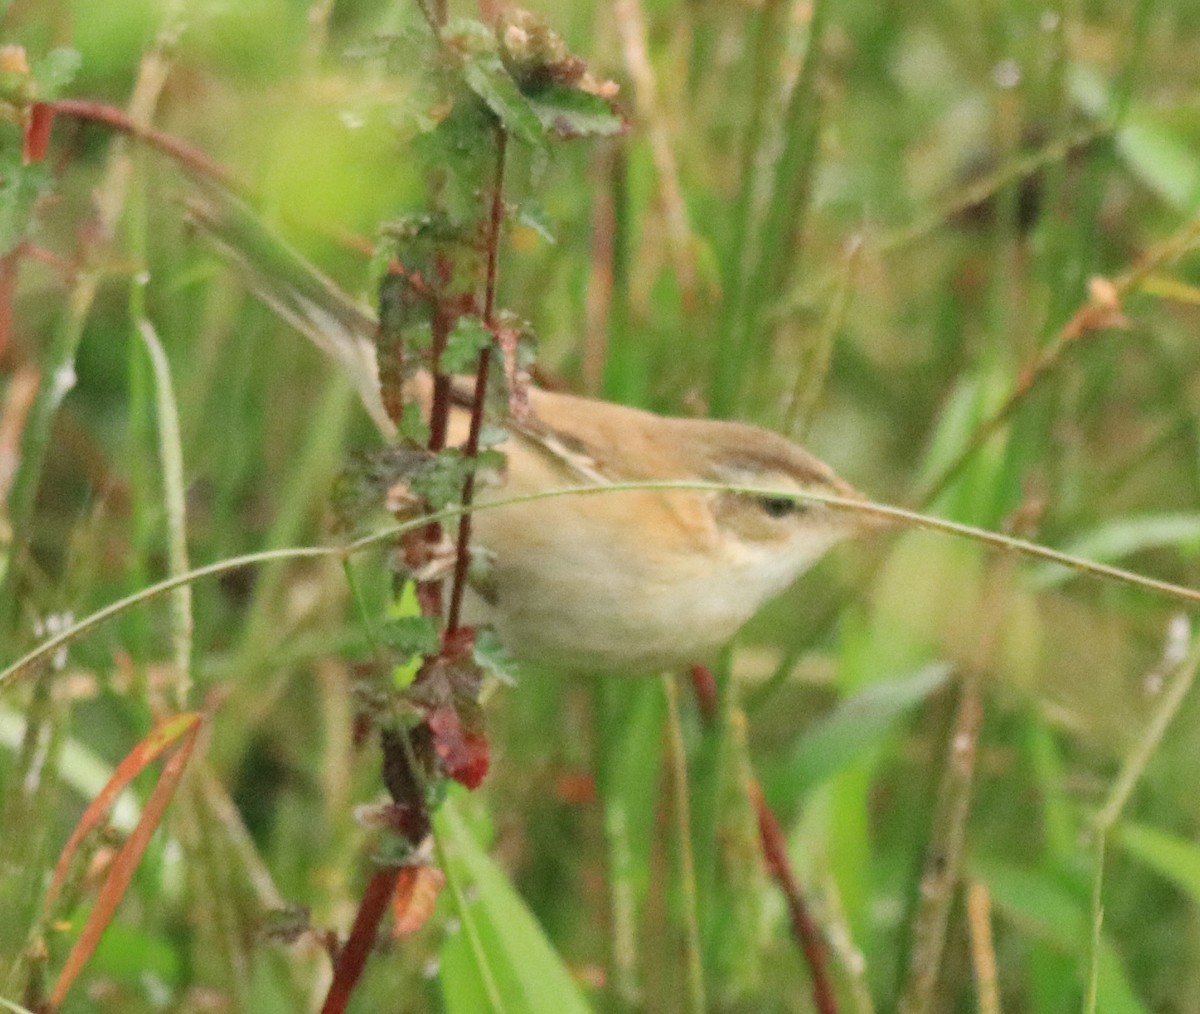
[(462, 559), (353, 956), (774, 847), (189, 157), (10, 264)]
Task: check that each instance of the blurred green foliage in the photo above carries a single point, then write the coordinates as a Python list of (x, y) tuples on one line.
[(888, 225)]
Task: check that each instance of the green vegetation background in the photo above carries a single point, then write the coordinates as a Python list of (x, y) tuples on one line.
[(866, 243)]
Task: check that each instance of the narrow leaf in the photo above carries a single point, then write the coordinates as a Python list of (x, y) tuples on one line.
[(1115, 540), (854, 727), (161, 738), (127, 859), (1175, 858), (529, 976)]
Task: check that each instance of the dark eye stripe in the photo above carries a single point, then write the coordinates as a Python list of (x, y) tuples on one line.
[(780, 506)]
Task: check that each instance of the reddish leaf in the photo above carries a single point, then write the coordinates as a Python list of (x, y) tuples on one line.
[(416, 894), (458, 644), (121, 871), (463, 752), (164, 735)]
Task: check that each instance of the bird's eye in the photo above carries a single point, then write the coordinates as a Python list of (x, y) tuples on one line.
[(780, 506)]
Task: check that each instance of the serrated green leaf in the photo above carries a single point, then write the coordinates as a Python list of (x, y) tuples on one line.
[(493, 658), (466, 340), (568, 113), (486, 75), (440, 480), (411, 635)]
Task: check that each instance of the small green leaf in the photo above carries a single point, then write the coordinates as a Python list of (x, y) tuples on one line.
[(567, 113), (441, 479), (1160, 157), (413, 426), (411, 635), (55, 71), (486, 75), (463, 345), (493, 658), (491, 435), (534, 217)]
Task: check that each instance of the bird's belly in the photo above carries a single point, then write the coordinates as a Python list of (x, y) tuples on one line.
[(576, 600), (590, 624)]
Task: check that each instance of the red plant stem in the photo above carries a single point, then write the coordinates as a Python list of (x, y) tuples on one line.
[(192, 159), (9, 265), (462, 558), (353, 956), (774, 847), (439, 411), (704, 686)]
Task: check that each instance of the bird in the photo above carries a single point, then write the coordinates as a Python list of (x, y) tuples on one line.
[(618, 579)]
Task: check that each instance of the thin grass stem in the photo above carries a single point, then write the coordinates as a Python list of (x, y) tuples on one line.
[(881, 511), (677, 764)]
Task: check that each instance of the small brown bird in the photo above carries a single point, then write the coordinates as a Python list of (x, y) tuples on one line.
[(630, 580)]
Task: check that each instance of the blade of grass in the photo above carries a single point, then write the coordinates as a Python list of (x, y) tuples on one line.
[(677, 766), (1182, 662), (171, 459), (784, 221), (866, 508), (162, 738), (508, 950), (112, 891), (58, 371)]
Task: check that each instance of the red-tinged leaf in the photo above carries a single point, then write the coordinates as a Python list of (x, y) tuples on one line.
[(353, 957), (162, 736), (121, 871), (458, 644), (37, 132), (416, 893), (462, 751)]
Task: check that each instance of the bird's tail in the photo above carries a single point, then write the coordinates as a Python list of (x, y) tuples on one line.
[(295, 289)]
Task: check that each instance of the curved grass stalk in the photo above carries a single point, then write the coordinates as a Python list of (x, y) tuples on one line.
[(884, 512)]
